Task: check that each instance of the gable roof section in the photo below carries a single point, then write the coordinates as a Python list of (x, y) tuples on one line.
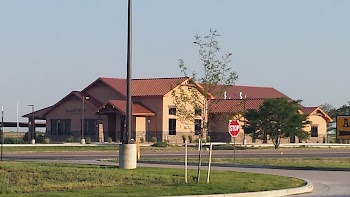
[(251, 92), (39, 114), (116, 84), (141, 87), (308, 110), (316, 111), (137, 108), (234, 105), (155, 86), (91, 101)]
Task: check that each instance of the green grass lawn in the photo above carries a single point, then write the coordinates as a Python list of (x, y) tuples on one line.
[(60, 148), (87, 148), (290, 162), (50, 179)]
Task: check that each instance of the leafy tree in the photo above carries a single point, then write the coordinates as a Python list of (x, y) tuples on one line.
[(343, 110), (332, 112), (193, 106), (277, 118)]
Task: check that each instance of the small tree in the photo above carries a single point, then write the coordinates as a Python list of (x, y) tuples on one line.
[(192, 102), (332, 112), (277, 118)]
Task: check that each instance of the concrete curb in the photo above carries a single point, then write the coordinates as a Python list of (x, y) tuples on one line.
[(274, 193)]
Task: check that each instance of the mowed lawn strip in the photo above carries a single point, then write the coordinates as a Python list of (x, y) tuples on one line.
[(86, 148), (50, 179), (334, 162)]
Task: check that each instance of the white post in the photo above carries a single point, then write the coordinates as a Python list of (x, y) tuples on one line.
[(186, 160), (209, 163), (17, 123)]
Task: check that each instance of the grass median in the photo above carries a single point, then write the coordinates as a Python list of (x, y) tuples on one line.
[(326, 163), (86, 148), (51, 179)]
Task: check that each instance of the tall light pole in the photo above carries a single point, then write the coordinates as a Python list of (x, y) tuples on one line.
[(32, 125), (126, 139), (127, 150), (82, 139)]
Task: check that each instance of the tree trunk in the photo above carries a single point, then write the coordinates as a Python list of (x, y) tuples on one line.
[(199, 157), (277, 142)]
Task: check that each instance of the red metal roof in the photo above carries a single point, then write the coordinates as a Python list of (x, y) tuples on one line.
[(144, 87), (234, 105), (308, 110), (155, 86), (251, 92), (39, 114), (137, 108)]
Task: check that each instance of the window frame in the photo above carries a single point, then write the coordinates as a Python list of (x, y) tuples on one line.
[(196, 130), (314, 131), (61, 127), (172, 126), (198, 111), (172, 110)]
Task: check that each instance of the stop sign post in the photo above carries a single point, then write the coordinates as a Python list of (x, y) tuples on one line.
[(233, 128)]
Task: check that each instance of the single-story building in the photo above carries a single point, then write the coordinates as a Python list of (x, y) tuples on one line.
[(98, 111)]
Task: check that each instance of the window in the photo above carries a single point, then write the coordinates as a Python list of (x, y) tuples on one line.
[(172, 126), (197, 126), (314, 131), (60, 126), (90, 126), (172, 111), (198, 111)]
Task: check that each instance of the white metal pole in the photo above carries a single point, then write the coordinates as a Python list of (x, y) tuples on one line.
[(17, 123), (186, 153), (2, 130), (209, 163)]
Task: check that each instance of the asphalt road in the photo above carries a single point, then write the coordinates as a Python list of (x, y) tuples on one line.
[(326, 183)]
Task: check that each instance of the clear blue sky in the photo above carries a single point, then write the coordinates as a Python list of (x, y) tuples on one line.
[(51, 47)]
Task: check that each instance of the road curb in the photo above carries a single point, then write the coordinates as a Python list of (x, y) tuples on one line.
[(273, 193)]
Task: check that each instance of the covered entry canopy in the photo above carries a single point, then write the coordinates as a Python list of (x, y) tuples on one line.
[(117, 105)]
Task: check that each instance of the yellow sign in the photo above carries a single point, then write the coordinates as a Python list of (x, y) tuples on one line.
[(343, 127)]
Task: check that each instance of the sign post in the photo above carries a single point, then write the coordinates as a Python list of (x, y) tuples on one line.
[(233, 129)]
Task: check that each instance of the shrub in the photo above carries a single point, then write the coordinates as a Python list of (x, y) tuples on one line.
[(88, 140), (161, 144), (25, 137), (184, 138), (190, 138), (154, 139), (46, 140), (109, 140), (208, 138), (39, 138), (13, 140), (142, 140), (70, 139)]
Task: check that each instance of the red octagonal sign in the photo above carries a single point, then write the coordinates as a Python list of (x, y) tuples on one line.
[(233, 128)]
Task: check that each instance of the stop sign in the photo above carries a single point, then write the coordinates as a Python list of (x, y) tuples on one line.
[(233, 128)]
